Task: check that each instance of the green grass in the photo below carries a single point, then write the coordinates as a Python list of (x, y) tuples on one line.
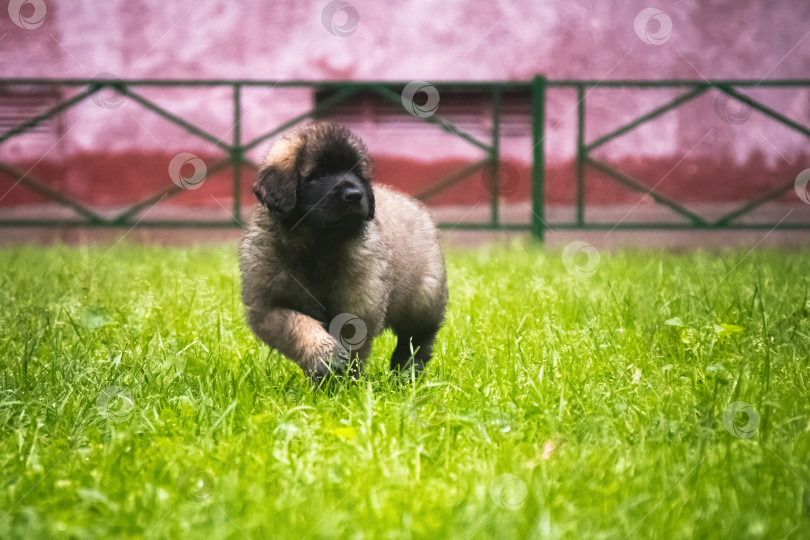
[(610, 419)]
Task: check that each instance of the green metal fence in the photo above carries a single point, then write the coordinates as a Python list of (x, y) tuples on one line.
[(235, 151), (692, 90)]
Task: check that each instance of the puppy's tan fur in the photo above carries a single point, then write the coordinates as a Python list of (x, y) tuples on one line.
[(294, 284)]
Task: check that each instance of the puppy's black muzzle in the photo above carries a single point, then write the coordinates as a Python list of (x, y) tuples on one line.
[(351, 193)]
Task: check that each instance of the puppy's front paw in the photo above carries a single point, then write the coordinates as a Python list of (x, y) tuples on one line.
[(330, 359)]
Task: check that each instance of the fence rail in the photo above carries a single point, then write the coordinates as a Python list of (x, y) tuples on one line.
[(235, 151)]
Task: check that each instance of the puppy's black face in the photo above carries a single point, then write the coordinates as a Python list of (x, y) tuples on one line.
[(319, 178), (335, 199)]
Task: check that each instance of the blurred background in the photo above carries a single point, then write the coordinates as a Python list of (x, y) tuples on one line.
[(107, 151)]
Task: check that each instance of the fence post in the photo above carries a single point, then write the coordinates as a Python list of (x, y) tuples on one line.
[(539, 155), (581, 155), (237, 154), (495, 158)]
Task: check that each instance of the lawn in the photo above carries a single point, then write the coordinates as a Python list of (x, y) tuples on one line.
[(136, 403)]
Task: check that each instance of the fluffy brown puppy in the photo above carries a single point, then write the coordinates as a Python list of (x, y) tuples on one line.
[(328, 261)]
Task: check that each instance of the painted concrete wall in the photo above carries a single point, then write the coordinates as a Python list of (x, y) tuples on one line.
[(110, 151)]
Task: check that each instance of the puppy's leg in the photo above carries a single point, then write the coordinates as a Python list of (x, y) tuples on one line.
[(422, 346), (301, 338)]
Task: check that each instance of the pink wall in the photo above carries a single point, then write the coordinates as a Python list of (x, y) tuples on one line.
[(112, 153)]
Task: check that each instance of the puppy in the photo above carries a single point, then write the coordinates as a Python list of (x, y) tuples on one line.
[(329, 261)]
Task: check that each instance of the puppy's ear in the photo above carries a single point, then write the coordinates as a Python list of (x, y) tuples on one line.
[(276, 189), (277, 182)]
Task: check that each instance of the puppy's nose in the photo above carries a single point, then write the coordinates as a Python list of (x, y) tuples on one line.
[(352, 194)]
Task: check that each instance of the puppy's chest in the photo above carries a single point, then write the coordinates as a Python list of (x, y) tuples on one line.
[(342, 283)]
